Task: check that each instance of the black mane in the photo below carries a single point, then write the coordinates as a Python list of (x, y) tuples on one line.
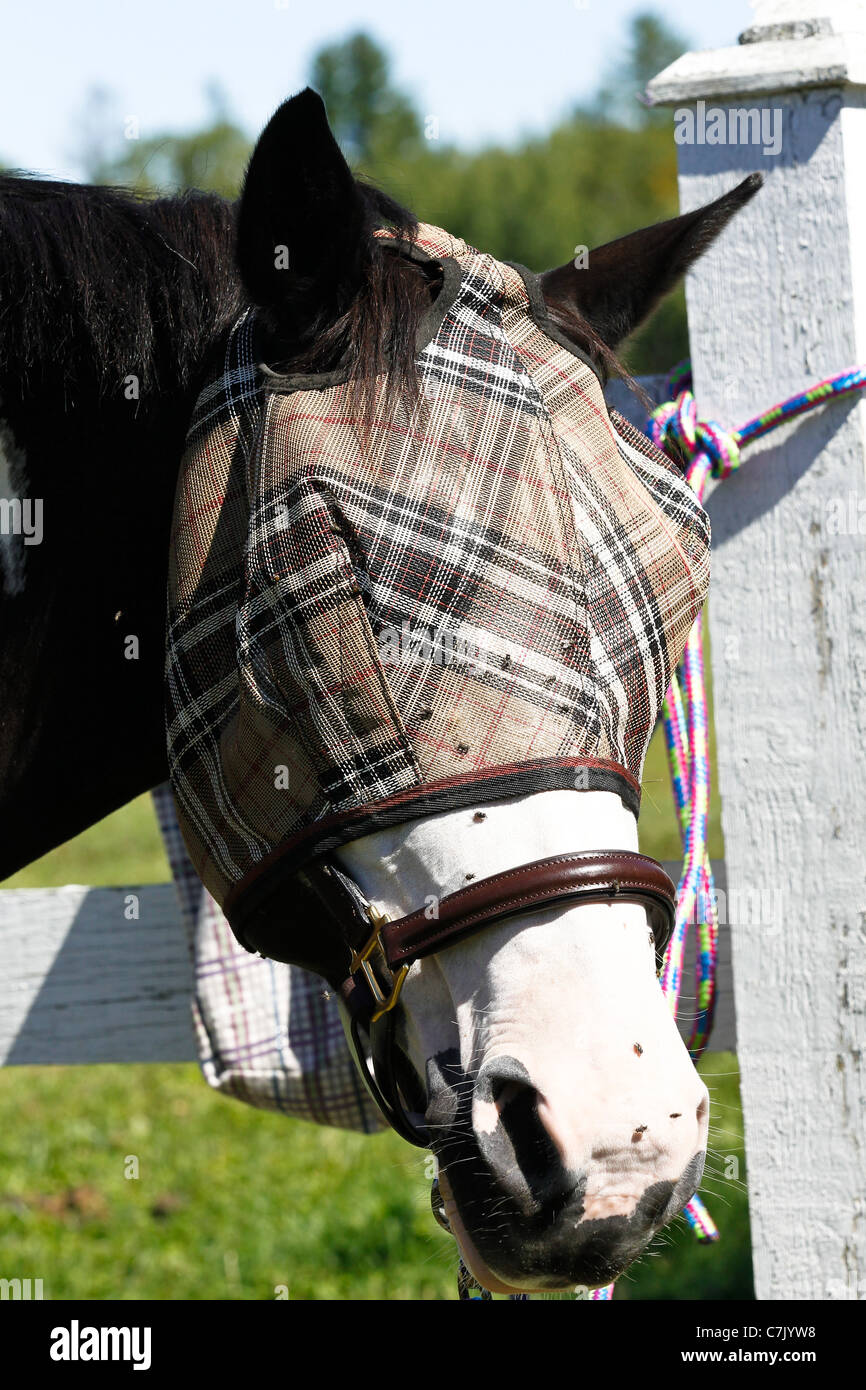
[(99, 283)]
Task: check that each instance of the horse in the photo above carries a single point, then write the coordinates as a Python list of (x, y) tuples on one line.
[(536, 1058)]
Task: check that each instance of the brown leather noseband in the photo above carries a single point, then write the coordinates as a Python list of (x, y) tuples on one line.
[(366, 957)]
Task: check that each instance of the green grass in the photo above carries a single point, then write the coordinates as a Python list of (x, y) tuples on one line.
[(230, 1202)]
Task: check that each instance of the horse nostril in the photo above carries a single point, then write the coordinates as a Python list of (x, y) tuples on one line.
[(502, 1081), (514, 1140), (504, 1092)]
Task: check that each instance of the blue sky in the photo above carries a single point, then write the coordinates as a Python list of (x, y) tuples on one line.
[(488, 71)]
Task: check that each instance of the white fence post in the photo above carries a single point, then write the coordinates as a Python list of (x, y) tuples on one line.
[(777, 305)]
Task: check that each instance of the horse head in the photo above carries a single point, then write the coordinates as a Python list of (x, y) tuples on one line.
[(408, 441)]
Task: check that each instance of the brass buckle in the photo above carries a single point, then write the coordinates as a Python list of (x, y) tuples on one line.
[(361, 961)]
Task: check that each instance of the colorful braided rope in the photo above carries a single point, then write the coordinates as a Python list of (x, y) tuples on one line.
[(706, 450)]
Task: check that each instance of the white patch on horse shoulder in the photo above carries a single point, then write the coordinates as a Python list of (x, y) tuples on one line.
[(13, 484)]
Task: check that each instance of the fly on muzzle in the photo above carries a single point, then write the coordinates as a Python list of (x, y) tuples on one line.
[(476, 595)]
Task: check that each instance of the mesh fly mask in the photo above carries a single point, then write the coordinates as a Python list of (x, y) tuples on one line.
[(479, 595)]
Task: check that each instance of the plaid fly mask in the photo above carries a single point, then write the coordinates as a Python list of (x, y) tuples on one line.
[(478, 594)]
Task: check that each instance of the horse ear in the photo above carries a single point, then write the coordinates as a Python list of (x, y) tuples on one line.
[(624, 280), (302, 217)]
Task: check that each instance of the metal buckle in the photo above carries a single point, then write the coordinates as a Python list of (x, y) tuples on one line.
[(361, 961)]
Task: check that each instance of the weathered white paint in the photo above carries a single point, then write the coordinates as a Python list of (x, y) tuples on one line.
[(80, 982), (777, 304)]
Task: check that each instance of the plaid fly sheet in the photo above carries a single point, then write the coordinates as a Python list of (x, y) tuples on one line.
[(478, 594), (266, 1033)]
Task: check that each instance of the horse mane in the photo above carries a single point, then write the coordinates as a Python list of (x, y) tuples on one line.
[(100, 283)]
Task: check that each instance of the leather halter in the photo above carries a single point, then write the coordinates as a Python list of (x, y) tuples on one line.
[(366, 957)]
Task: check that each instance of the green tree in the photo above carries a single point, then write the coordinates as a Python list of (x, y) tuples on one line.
[(606, 170), (652, 46), (213, 158), (370, 118)]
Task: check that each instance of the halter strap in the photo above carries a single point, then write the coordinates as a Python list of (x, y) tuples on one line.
[(345, 921), (602, 876)]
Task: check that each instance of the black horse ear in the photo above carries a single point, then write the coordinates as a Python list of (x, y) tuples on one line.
[(302, 217), (624, 280)]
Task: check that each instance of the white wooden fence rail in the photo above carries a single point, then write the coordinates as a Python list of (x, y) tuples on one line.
[(81, 983)]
